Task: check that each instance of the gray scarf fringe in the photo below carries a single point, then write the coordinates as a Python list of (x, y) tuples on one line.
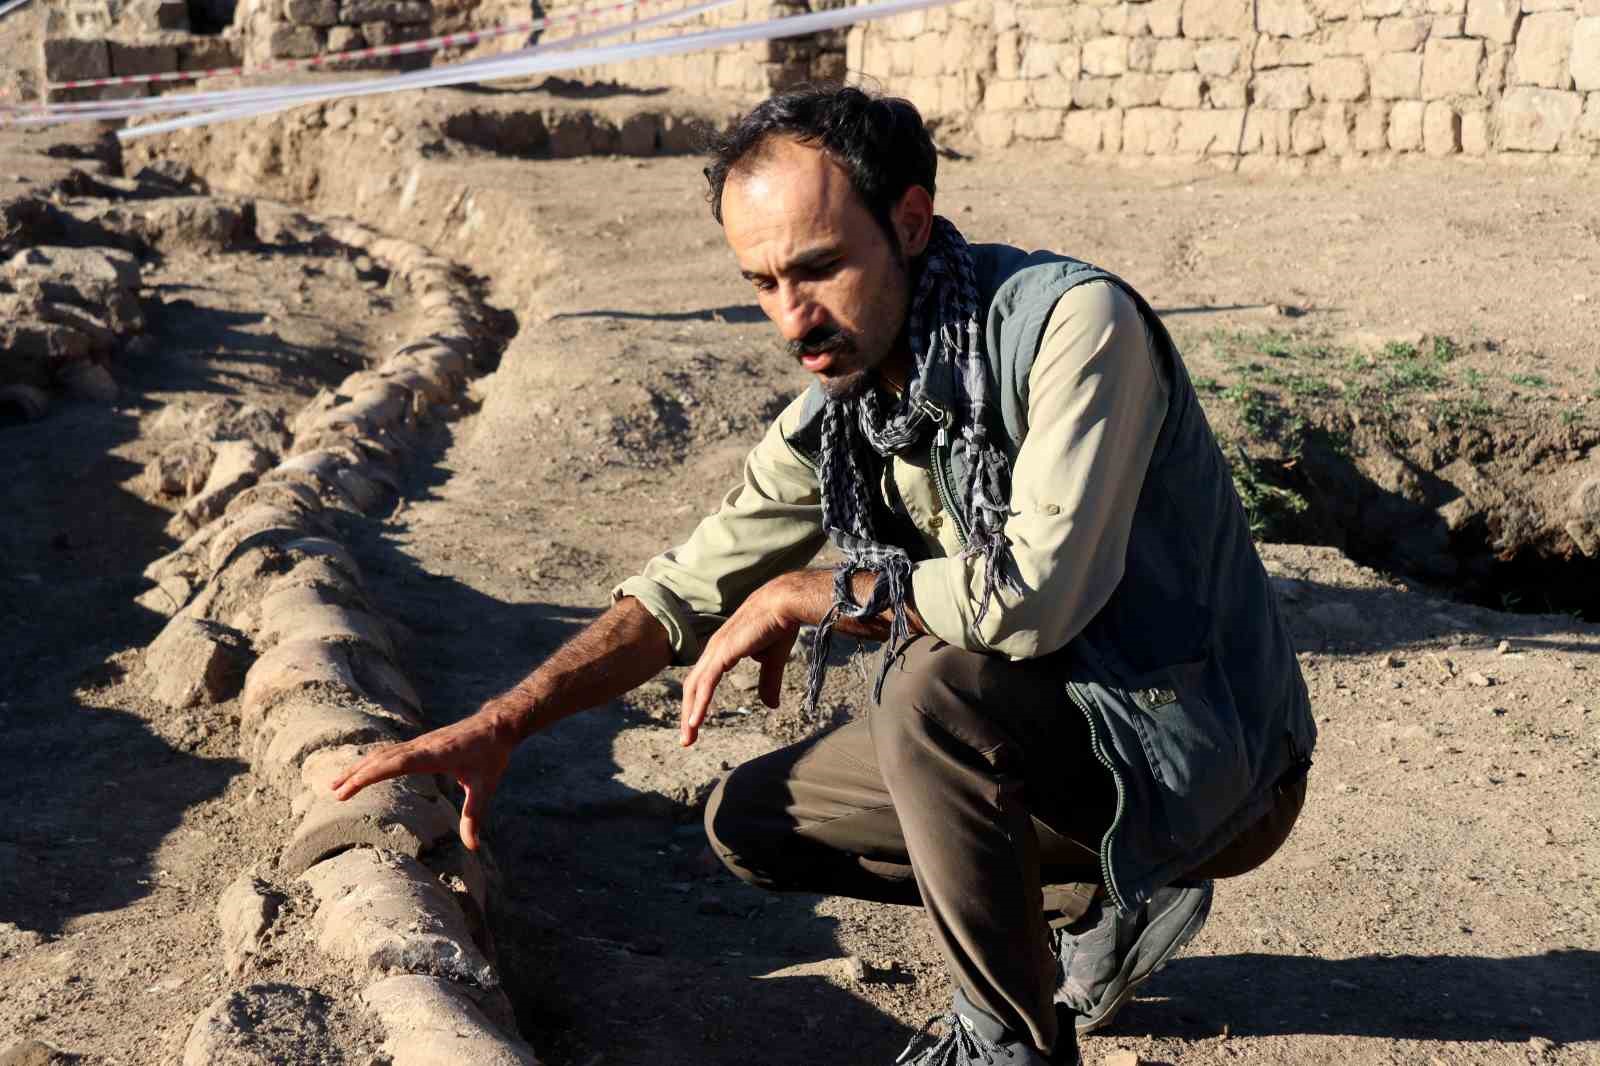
[(945, 341)]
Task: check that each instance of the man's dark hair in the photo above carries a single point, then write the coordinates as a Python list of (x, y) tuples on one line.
[(879, 140)]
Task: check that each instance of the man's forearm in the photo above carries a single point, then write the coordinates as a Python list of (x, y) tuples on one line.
[(810, 595), (614, 654)]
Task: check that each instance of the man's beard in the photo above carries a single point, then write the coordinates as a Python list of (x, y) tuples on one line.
[(853, 375)]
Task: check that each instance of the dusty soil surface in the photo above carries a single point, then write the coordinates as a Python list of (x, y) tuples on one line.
[(1437, 903)]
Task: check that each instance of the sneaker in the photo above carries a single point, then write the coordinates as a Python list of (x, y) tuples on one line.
[(1100, 965), (968, 1034)]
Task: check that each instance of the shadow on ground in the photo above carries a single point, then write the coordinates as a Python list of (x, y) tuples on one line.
[(88, 793), (1455, 998)]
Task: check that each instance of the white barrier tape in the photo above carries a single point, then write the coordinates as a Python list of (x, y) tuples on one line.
[(522, 65), (8, 8), (283, 66), (213, 101)]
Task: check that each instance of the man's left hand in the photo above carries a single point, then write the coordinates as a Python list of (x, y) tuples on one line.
[(764, 628)]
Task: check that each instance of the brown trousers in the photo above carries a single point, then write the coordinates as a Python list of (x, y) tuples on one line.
[(968, 789)]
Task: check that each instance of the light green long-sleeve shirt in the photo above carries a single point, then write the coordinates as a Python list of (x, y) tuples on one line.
[(1096, 401)]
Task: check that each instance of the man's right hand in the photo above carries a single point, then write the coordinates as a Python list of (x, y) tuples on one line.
[(474, 751)]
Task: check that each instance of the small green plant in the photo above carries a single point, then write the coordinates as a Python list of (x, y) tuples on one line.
[(1400, 350), (1267, 506), (1205, 384), (1529, 381), (1571, 416), (1445, 350), (1474, 379)]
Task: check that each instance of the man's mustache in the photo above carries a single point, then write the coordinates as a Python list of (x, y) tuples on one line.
[(822, 340)]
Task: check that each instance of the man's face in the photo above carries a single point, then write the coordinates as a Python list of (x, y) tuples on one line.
[(823, 269)]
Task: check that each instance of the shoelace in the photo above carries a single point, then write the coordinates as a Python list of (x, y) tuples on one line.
[(958, 1046)]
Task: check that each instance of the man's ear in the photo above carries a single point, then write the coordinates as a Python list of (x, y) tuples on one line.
[(913, 220)]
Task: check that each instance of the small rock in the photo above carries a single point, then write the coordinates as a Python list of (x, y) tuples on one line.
[(1392, 662), (1541, 1045), (1504, 647), (1478, 680), (90, 381), (35, 1053), (1122, 1057)]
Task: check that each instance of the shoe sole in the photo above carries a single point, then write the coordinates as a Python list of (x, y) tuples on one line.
[(1089, 1023)]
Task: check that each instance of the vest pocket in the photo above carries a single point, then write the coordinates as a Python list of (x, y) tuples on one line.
[(1194, 748)]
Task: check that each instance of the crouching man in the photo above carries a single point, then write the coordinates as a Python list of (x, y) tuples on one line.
[(1088, 706)]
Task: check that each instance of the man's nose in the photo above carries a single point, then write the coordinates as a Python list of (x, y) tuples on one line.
[(799, 314)]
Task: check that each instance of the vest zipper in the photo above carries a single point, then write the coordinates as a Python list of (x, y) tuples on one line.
[(938, 463), (1105, 760)]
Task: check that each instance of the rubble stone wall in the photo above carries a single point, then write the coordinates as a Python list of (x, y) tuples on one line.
[(1229, 80), (748, 71)]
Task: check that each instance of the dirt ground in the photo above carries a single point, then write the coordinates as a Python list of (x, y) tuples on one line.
[(1437, 903)]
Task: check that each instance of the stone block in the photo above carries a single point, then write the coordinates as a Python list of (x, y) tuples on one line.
[(208, 53), (1183, 90), (74, 59), (1217, 132), (1284, 89), (293, 42), (1405, 126), (1125, 20), (1039, 124), (1447, 7), (388, 914), (1342, 78), (245, 912), (1475, 139), (1173, 55), (1450, 68), (406, 816), (1106, 56), (1494, 20), (1285, 18), (1535, 120), (1397, 76), (1492, 73), (1543, 51), (1444, 26), (1306, 132), (1218, 59), (1232, 19), (1081, 130), (399, 12), (1358, 37), (1228, 93), (194, 662), (1530, 7), (1286, 52), (995, 129), (927, 56), (1006, 96), (1139, 90), (312, 12), (1111, 129), (1093, 94), (733, 71), (1149, 131), (132, 58), (1589, 124), (1372, 126), (1382, 8), (1441, 129), (1142, 54), (1585, 58), (432, 1022), (1007, 56), (1338, 128), (1402, 34), (1165, 17), (1268, 132)]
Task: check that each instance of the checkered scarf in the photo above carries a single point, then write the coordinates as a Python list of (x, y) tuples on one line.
[(859, 436)]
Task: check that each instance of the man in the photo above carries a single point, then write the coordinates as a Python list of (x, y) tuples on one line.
[(1088, 706)]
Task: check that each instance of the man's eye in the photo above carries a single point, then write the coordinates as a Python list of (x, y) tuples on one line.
[(763, 284)]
